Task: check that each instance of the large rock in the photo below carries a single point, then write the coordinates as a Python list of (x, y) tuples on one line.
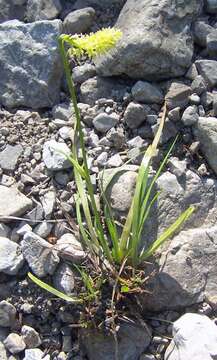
[(132, 341), (195, 338), (13, 202), (11, 258), (30, 65), (156, 42), (206, 132), (188, 271)]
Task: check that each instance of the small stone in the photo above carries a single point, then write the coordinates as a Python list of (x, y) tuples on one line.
[(190, 116), (63, 111), (79, 21), (207, 100), (48, 201), (177, 167), (115, 161), (208, 70), (83, 72), (103, 122), (14, 343), (13, 202), (102, 159), (174, 114), (70, 249), (199, 85), (192, 72), (30, 336), (147, 93), (10, 156), (34, 354), (55, 155), (137, 142), (41, 10), (62, 178), (169, 131), (202, 170), (135, 114), (63, 279), (39, 254), (66, 133), (201, 111), (7, 314), (201, 30), (177, 95), (11, 259), (43, 229), (116, 137), (212, 43), (194, 99)]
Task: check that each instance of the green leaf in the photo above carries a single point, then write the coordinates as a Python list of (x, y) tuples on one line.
[(125, 289), (167, 233), (53, 291)]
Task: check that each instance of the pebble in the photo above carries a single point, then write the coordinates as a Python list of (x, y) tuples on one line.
[(103, 122), (34, 354), (42, 259), (7, 314), (14, 343), (115, 161), (102, 159), (11, 259), (55, 155), (190, 116), (70, 248), (10, 156), (63, 279), (30, 336)]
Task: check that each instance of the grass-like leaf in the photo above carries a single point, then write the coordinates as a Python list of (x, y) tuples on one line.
[(54, 291)]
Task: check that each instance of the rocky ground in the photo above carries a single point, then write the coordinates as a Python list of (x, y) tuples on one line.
[(168, 51)]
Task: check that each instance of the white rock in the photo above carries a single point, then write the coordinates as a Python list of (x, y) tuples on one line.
[(55, 155), (13, 202), (195, 338), (11, 258), (70, 249)]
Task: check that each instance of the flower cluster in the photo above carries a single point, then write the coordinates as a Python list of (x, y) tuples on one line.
[(93, 44)]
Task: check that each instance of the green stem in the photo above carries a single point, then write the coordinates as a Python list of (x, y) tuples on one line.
[(78, 129)]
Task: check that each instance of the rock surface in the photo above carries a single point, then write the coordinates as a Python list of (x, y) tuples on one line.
[(42, 9), (42, 259), (188, 271), (30, 66), (11, 259), (133, 340), (13, 202), (156, 42), (195, 338), (206, 132)]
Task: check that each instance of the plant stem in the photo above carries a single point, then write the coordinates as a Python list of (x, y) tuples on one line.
[(78, 129)]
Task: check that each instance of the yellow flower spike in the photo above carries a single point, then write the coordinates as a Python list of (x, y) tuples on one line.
[(93, 44)]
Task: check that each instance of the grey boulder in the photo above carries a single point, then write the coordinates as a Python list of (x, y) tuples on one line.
[(30, 65), (156, 42), (195, 338), (206, 133), (11, 258), (147, 93)]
